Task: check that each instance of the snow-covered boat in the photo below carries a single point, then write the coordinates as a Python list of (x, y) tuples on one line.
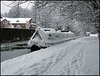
[(45, 37)]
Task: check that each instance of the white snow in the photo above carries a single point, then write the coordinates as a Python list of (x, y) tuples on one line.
[(48, 29), (93, 34), (17, 20), (75, 57)]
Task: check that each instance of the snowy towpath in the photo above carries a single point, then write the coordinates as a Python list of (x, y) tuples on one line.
[(68, 58)]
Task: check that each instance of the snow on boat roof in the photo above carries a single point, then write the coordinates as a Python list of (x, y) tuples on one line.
[(48, 29), (70, 32), (17, 20), (52, 30)]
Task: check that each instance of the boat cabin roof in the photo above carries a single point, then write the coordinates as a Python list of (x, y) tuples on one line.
[(48, 30)]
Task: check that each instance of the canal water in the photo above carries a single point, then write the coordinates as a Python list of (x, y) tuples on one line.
[(12, 54), (13, 49)]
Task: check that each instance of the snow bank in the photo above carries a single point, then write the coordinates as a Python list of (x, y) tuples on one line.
[(93, 34), (64, 59), (91, 66)]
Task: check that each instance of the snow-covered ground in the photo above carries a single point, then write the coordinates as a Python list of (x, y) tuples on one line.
[(75, 57)]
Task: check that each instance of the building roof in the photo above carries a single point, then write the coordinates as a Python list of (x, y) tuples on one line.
[(17, 20)]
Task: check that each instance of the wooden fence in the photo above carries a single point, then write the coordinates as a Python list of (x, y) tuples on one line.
[(12, 34)]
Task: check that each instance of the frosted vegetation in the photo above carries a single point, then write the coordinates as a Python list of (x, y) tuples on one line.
[(76, 16)]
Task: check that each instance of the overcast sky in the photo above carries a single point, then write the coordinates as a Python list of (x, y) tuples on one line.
[(5, 8)]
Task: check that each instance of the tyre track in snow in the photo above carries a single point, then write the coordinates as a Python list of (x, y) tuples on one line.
[(71, 64), (66, 61), (51, 65)]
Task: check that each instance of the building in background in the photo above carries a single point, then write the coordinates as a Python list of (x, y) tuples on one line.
[(20, 23), (4, 23), (32, 24)]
